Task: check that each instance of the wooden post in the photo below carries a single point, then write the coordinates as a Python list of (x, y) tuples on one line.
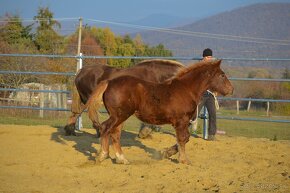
[(64, 98), (41, 101), (58, 98), (238, 107), (49, 99), (268, 107), (249, 106)]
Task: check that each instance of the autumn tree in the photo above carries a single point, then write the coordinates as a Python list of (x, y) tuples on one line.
[(89, 46), (47, 40), (16, 38)]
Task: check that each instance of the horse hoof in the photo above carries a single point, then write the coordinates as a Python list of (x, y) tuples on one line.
[(122, 161), (70, 129), (164, 154), (168, 152), (103, 156), (185, 161), (145, 133)]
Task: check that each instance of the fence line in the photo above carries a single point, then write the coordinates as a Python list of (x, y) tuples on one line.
[(138, 57), (135, 57), (33, 90), (38, 73), (254, 99)]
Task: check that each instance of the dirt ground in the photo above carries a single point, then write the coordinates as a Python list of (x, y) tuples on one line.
[(40, 159)]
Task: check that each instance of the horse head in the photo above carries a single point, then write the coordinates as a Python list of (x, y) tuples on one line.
[(219, 82)]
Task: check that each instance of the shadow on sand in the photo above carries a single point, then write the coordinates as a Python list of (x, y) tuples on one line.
[(84, 143)]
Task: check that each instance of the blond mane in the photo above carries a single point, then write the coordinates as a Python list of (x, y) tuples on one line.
[(193, 66), (163, 61)]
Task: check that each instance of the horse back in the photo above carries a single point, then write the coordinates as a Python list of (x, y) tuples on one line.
[(157, 103)]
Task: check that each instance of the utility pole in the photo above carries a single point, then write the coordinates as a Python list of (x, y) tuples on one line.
[(79, 44), (79, 66)]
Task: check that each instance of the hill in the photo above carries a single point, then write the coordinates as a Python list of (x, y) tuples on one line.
[(251, 31)]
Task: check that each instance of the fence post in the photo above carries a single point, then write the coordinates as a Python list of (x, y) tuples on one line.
[(64, 97), (205, 123), (238, 107), (58, 97), (268, 107), (79, 124), (41, 101), (249, 106)]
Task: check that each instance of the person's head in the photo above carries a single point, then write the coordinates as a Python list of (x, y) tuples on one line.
[(207, 52)]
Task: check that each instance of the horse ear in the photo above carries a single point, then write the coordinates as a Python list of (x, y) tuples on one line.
[(218, 63)]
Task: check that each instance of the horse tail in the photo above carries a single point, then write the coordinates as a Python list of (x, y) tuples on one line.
[(94, 103), (76, 106)]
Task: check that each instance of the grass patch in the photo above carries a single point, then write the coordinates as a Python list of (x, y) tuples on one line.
[(273, 131)]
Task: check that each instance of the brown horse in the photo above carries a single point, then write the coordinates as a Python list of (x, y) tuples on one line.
[(90, 76), (172, 102)]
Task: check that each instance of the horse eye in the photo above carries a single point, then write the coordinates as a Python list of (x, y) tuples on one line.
[(223, 75)]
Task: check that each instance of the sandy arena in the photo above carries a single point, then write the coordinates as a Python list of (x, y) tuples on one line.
[(40, 159)]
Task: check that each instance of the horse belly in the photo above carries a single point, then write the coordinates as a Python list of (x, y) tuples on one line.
[(152, 118)]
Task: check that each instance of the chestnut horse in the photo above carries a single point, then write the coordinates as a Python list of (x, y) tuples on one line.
[(90, 76), (172, 102)]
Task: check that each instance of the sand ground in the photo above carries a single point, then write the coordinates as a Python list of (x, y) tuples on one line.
[(41, 159)]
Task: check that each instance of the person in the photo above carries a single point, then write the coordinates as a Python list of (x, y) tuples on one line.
[(209, 101)]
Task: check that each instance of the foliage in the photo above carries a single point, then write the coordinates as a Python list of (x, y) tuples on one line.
[(16, 38), (13, 32), (89, 46), (102, 41), (47, 39)]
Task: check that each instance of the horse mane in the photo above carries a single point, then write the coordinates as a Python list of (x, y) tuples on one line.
[(161, 62), (181, 72)]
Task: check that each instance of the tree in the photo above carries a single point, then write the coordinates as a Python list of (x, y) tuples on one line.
[(286, 74), (158, 50), (13, 32), (16, 38), (89, 46), (47, 40), (139, 45)]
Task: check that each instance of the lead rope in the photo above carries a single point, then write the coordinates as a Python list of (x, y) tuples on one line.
[(217, 106)]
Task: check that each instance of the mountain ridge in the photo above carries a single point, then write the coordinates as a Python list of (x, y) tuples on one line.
[(243, 32)]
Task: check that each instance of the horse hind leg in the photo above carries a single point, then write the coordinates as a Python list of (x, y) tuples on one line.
[(105, 130), (115, 136)]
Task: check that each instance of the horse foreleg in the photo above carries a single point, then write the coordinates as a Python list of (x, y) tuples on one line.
[(115, 136), (182, 135)]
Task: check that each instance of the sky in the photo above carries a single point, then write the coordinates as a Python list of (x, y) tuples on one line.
[(124, 10)]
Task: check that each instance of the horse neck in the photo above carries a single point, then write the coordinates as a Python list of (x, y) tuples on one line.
[(196, 81)]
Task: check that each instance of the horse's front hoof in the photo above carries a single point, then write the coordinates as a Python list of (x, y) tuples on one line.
[(103, 155), (70, 129), (185, 161), (120, 159)]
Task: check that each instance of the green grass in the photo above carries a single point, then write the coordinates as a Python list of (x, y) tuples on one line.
[(273, 131)]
